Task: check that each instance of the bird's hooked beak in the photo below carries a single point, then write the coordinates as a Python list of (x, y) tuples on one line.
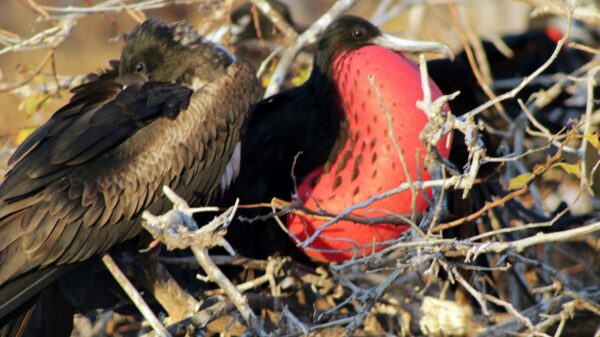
[(410, 46)]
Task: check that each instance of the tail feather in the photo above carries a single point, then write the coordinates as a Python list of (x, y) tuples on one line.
[(33, 305), (15, 293), (48, 314), (16, 324)]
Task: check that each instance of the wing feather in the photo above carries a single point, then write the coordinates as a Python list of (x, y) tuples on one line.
[(36, 245), (79, 184), (87, 127), (59, 251), (52, 205)]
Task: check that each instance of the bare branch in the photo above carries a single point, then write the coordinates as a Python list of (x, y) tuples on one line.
[(135, 296)]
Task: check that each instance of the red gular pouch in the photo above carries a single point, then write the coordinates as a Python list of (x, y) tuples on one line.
[(368, 163), (554, 34)]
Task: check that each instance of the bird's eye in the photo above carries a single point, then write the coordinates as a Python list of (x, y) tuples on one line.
[(140, 67), (357, 33)]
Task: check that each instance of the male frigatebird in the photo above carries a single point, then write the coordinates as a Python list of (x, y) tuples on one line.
[(333, 132), (168, 113)]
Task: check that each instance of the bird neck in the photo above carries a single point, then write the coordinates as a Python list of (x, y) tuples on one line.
[(324, 91), (321, 82)]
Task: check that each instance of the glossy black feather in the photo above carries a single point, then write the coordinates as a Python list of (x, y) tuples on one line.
[(303, 122)]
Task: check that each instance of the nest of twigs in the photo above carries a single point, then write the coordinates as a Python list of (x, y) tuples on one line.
[(524, 261)]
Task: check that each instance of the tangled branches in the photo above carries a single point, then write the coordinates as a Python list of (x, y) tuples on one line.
[(520, 259)]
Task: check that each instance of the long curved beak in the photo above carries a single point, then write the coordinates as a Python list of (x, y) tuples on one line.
[(410, 46)]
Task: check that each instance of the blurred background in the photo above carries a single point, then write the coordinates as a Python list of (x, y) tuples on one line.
[(47, 47), (96, 38)]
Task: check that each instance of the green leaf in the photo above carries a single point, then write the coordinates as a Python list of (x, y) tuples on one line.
[(573, 169), (592, 138), (303, 75), (519, 181), (34, 103), (23, 134), (266, 79), (39, 79)]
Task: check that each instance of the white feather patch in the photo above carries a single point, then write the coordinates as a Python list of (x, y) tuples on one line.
[(233, 168)]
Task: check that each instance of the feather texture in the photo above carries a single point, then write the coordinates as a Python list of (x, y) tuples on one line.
[(80, 182)]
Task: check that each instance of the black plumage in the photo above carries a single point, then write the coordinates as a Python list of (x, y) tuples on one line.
[(168, 113), (530, 50), (283, 127), (296, 131)]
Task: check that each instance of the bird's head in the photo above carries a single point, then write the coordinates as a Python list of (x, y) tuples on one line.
[(348, 33), (172, 52)]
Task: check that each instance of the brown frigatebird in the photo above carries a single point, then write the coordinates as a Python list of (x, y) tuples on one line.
[(168, 113), (333, 131)]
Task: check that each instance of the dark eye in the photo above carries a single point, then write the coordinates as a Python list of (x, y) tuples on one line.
[(357, 33), (140, 67)]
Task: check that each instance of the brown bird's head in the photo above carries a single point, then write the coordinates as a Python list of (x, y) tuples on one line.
[(172, 52)]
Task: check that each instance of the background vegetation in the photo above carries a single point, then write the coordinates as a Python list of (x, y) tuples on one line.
[(429, 285)]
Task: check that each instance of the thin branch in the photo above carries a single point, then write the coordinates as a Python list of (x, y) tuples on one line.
[(303, 39), (276, 18), (526, 81), (134, 295), (177, 229), (31, 76)]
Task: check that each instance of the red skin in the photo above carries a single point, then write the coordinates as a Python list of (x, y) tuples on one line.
[(380, 168), (554, 34)]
